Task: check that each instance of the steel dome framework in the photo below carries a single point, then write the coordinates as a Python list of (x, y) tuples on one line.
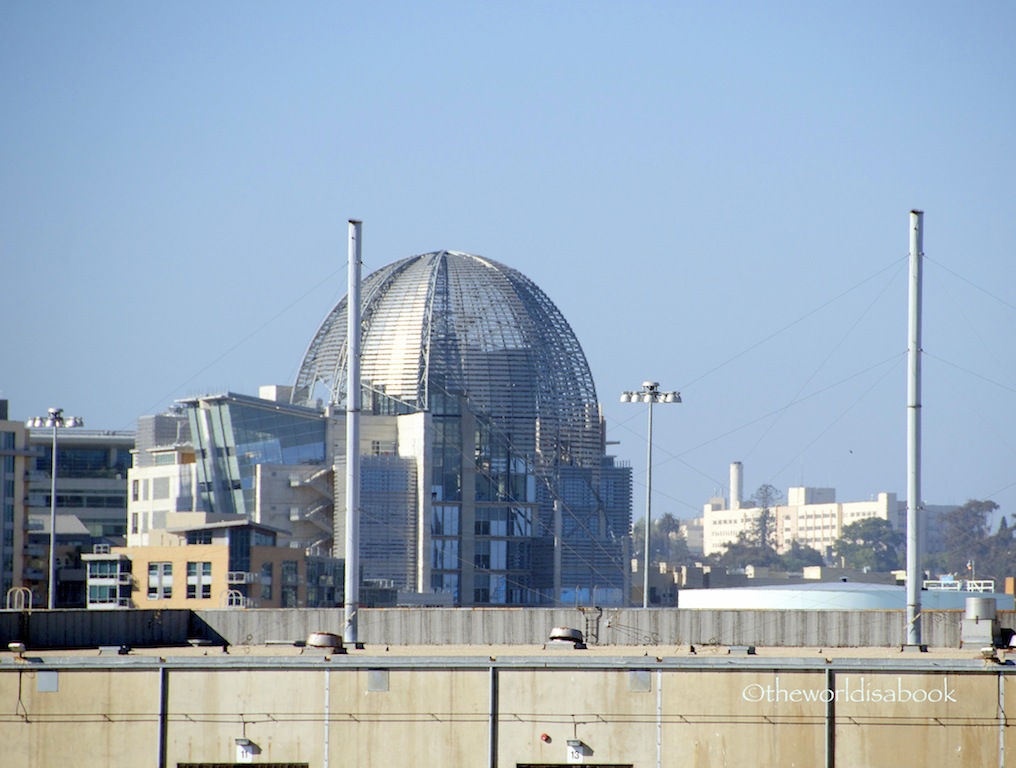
[(451, 323)]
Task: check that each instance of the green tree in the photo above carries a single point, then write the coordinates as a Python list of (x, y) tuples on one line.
[(968, 540), (756, 545), (799, 555), (666, 542), (763, 533), (870, 543)]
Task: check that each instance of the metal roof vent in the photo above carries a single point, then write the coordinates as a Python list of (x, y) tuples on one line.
[(324, 640), (566, 636)]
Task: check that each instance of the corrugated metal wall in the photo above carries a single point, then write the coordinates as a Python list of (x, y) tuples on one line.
[(487, 626)]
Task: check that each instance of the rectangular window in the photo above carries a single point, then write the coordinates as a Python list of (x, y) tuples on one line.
[(103, 594), (445, 582), (266, 581), (521, 522), (199, 580), (498, 555), (481, 557), (444, 520), (446, 554), (160, 488), (160, 581), (135, 490), (103, 569)]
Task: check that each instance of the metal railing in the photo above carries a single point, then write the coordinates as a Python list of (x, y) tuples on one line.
[(960, 585)]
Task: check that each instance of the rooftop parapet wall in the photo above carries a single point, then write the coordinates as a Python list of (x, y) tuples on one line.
[(495, 626)]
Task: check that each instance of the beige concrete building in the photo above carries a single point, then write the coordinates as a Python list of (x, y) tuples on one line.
[(202, 560), (507, 706)]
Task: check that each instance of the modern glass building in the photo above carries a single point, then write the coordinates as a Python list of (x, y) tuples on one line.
[(517, 501), (234, 434)]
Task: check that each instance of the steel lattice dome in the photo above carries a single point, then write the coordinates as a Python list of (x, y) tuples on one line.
[(450, 323)]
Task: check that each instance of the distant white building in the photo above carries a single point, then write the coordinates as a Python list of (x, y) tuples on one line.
[(811, 516)]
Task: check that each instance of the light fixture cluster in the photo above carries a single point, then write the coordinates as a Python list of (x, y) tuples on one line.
[(650, 393), (55, 419)]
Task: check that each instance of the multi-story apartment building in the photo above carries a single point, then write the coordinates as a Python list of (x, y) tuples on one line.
[(91, 504), (201, 560), (14, 461)]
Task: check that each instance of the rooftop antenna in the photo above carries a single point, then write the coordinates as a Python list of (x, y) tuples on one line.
[(352, 581)]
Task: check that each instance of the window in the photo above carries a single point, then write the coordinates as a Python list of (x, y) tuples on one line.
[(266, 581), (446, 554), (199, 537), (135, 490), (444, 520), (103, 569), (445, 582), (103, 594), (288, 597), (481, 557), (199, 580), (160, 488), (160, 581)]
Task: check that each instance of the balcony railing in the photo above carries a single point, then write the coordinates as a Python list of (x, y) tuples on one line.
[(960, 585), (243, 577)]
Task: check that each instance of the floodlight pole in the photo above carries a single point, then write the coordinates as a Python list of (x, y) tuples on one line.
[(649, 394), (56, 420), (914, 432), (351, 599), (649, 506)]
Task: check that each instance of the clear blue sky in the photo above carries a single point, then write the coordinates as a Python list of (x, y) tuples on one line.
[(716, 196)]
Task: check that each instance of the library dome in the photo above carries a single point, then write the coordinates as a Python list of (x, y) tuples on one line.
[(447, 329)]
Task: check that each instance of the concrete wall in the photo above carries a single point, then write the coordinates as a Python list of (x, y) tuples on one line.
[(466, 626), (389, 711)]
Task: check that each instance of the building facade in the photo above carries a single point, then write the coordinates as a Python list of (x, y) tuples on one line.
[(199, 560), (91, 504), (15, 456), (505, 707)]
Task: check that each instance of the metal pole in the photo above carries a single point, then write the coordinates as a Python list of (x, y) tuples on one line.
[(649, 505), (163, 716), (830, 720), (914, 432), (52, 527), (492, 718), (352, 553), (558, 532)]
